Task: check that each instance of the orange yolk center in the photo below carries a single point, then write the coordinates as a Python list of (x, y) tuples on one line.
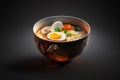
[(55, 36)]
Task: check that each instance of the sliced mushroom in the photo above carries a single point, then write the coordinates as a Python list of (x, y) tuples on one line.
[(45, 30)]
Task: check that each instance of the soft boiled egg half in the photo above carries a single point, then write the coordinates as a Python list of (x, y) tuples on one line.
[(56, 36)]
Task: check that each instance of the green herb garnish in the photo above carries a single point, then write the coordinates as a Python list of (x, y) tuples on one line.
[(77, 29), (65, 31), (58, 29), (68, 33)]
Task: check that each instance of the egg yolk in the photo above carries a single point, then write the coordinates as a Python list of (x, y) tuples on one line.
[(55, 36)]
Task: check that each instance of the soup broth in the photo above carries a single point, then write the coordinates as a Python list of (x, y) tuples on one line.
[(61, 32)]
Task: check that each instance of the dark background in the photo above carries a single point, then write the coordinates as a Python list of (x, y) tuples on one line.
[(20, 59)]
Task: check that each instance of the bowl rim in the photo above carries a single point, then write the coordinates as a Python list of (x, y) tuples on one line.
[(66, 17)]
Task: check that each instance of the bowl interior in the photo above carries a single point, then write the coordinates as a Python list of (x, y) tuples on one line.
[(65, 19)]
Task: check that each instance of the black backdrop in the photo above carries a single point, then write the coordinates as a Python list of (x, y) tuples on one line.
[(20, 59)]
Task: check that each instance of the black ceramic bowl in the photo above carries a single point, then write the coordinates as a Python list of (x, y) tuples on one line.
[(61, 51)]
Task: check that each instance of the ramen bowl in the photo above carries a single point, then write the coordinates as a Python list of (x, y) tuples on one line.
[(61, 51)]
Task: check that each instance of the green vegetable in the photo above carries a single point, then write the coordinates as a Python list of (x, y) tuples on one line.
[(65, 31), (58, 29), (77, 29), (68, 33)]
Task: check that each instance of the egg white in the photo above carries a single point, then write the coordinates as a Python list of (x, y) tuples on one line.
[(56, 24)]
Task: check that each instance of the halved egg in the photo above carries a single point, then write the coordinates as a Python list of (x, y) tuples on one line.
[(56, 36), (56, 24)]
